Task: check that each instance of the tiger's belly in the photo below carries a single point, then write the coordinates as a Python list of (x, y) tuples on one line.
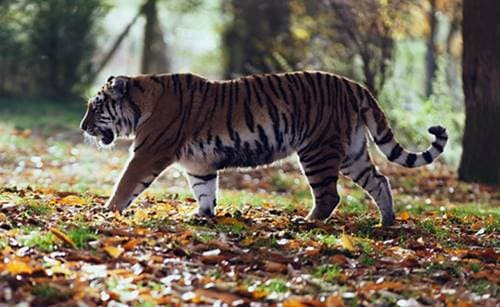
[(204, 157)]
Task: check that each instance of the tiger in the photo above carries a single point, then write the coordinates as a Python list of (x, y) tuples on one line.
[(206, 126)]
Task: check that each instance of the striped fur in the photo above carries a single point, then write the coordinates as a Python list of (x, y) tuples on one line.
[(207, 125)]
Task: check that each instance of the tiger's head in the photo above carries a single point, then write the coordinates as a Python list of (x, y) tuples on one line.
[(111, 113)]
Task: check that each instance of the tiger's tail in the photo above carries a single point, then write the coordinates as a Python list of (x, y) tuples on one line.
[(376, 122)]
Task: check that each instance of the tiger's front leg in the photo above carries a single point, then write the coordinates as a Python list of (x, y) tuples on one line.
[(205, 190), (137, 176)]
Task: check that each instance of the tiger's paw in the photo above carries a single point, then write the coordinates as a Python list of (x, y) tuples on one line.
[(206, 212), (112, 207)]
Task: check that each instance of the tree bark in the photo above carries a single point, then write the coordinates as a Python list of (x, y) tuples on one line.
[(481, 80), (154, 52), (430, 57), (259, 28)]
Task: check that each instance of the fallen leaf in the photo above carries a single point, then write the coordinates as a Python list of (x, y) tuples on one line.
[(296, 301), (404, 216), (71, 200), (130, 244), (63, 237), (225, 297), (113, 251), (274, 267), (17, 266), (347, 242)]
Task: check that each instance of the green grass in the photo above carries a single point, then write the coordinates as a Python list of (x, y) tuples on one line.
[(483, 286), (81, 235), (274, 285), (430, 227), (44, 116), (49, 292), (44, 241), (318, 236), (36, 207), (328, 272)]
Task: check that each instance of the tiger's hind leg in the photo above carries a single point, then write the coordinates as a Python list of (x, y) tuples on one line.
[(359, 167), (321, 167), (205, 190)]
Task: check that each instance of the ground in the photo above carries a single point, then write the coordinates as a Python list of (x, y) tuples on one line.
[(59, 246)]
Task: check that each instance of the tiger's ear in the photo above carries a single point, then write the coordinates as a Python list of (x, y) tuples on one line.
[(117, 87)]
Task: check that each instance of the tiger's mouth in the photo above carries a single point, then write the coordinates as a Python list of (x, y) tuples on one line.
[(107, 136)]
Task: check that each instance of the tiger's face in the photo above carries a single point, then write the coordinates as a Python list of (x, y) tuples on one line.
[(108, 116)]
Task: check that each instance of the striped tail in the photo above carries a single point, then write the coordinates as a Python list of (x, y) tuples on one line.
[(383, 136)]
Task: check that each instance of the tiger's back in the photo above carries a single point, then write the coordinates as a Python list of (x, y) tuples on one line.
[(210, 125)]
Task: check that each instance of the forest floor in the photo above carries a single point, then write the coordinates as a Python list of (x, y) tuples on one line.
[(59, 246)]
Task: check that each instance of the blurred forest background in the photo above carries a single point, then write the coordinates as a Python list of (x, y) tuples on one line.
[(427, 61), (408, 53)]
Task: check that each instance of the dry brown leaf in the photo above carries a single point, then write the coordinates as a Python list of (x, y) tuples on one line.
[(18, 266), (334, 301), (296, 301), (274, 267), (71, 200), (404, 216), (113, 251), (347, 242), (130, 244), (225, 297), (63, 237)]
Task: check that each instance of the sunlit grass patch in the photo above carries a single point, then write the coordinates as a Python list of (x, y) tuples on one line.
[(274, 285), (484, 286), (319, 236), (429, 226), (43, 115), (32, 237), (328, 272), (82, 235), (35, 206)]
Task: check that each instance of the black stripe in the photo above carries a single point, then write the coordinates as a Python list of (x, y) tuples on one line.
[(198, 183), (146, 184), (325, 182), (348, 162), (280, 88), (319, 170), (395, 152), (138, 85), (438, 146), (310, 80), (141, 144), (189, 78), (362, 173), (201, 196), (410, 160), (324, 194), (386, 138), (427, 156), (271, 86), (441, 137), (204, 177)]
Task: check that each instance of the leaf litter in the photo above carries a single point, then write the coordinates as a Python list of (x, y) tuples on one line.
[(59, 246)]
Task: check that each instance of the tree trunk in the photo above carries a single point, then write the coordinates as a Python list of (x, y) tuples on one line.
[(154, 52), (258, 30), (481, 79), (430, 57)]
